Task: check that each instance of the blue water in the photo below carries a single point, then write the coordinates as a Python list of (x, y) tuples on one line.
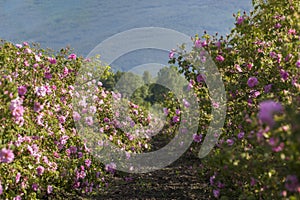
[(84, 24)]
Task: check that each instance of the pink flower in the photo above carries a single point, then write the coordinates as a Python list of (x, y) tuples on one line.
[(93, 109), (215, 104), (19, 121), (76, 116), (106, 120), (17, 198), (62, 119), (278, 148), (202, 44), (292, 32), (298, 64), (35, 187), (88, 162), (49, 189), (201, 78), (171, 54), (19, 46), (197, 138), (15, 103), (37, 107), (37, 58), (239, 69), (267, 109), (249, 65), (26, 63), (255, 94), (220, 58), (175, 119), (63, 139), (216, 193), (48, 75), (39, 119), (278, 25), (1, 189), (72, 56), (18, 111), (22, 90), (198, 43), (82, 168), (279, 57), (71, 87), (76, 185), (18, 176), (73, 149), (273, 54), (27, 50), (6, 155), (230, 142), (241, 135), (52, 60), (240, 20), (66, 71), (284, 75), (190, 85), (40, 91), (40, 170), (252, 81), (273, 141), (99, 83), (33, 150), (186, 103), (68, 152), (89, 121)]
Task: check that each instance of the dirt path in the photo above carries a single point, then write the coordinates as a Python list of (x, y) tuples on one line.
[(177, 181)]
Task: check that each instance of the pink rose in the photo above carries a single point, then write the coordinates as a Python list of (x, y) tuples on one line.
[(252, 81)]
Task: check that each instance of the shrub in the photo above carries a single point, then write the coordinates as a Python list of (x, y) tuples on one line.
[(257, 156), (42, 153)]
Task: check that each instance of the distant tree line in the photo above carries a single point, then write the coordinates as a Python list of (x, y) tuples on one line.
[(143, 90)]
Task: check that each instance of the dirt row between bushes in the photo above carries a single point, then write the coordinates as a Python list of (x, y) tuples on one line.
[(180, 180)]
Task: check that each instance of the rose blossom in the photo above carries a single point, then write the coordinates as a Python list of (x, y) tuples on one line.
[(40, 170), (72, 56), (6, 155), (252, 81), (22, 90), (240, 20), (220, 58)]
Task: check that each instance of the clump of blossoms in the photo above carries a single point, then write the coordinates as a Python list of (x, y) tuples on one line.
[(257, 155), (42, 154)]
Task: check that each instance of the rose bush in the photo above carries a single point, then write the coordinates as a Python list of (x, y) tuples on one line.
[(257, 156), (42, 153)]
